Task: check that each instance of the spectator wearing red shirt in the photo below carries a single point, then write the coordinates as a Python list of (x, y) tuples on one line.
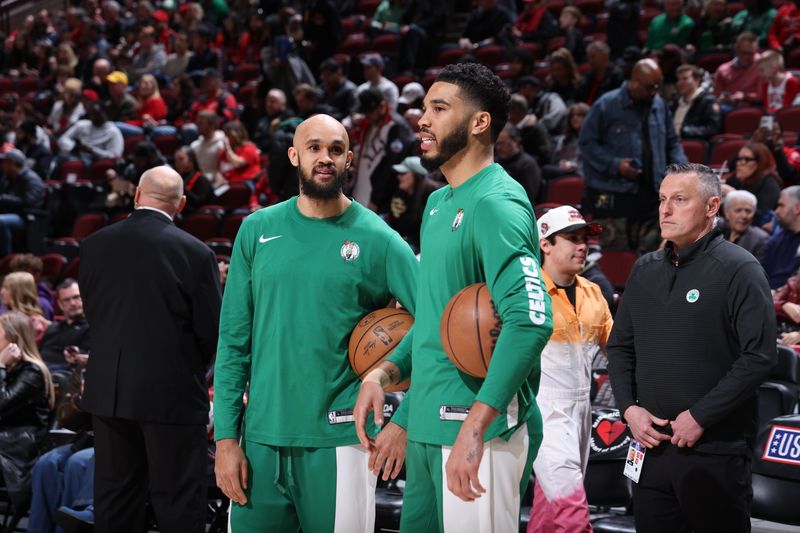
[(152, 108), (778, 87), (213, 98), (240, 160), (736, 81), (784, 31)]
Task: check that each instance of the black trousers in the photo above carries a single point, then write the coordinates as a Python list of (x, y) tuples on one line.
[(681, 490), (168, 459)]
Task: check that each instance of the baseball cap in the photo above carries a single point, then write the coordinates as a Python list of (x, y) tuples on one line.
[(565, 219), (410, 164), (411, 92), (15, 155), (373, 60), (369, 100), (117, 77)]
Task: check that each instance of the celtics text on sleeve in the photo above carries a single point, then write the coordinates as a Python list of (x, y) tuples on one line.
[(296, 288), (481, 231)]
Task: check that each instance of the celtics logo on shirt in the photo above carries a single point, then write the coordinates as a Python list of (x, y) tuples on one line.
[(458, 219), (349, 251)]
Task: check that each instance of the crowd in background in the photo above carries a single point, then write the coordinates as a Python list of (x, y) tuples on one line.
[(92, 96)]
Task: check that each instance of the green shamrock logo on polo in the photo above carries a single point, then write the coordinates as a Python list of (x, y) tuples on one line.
[(692, 296)]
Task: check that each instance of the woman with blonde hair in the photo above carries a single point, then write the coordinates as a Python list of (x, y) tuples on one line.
[(19, 294), (26, 400)]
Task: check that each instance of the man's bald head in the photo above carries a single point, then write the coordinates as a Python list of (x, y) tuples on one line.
[(161, 188), (320, 126), (321, 153), (646, 79)]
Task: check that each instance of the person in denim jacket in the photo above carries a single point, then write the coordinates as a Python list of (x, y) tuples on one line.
[(627, 141)]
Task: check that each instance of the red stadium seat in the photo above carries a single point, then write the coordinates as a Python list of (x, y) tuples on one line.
[(648, 14), (554, 43), (386, 44), (789, 118), (732, 8), (167, 144), (52, 266), (490, 55), (367, 7), (533, 48), (5, 264), (246, 72), (71, 171), (88, 223), (589, 7), (450, 55), (601, 23), (27, 85), (555, 7), (73, 268), (793, 59), (97, 172), (355, 44), (696, 150), (6, 85), (617, 266), (567, 190), (401, 81), (725, 151), (354, 24), (204, 226), (742, 121), (712, 60), (220, 246), (230, 226), (238, 195), (131, 143)]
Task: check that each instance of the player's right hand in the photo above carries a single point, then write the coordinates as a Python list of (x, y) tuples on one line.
[(231, 469), (370, 398), (640, 421)]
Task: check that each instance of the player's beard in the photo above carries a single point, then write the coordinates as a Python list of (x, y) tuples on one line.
[(318, 191), (448, 146)]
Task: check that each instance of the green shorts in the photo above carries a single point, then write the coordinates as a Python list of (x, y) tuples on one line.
[(318, 490), (505, 469)]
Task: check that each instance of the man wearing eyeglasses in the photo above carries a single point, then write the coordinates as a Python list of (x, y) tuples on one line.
[(627, 140)]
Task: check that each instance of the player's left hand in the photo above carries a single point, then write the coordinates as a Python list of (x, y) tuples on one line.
[(388, 451), (685, 430), (462, 465)]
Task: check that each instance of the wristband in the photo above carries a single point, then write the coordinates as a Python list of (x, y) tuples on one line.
[(378, 376)]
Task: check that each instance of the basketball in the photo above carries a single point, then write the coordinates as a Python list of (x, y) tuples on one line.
[(375, 337), (469, 329)]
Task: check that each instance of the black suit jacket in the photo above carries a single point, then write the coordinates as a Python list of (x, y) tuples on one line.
[(152, 295)]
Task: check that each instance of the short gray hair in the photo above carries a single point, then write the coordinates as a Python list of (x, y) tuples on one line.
[(708, 181), (793, 193), (747, 196)]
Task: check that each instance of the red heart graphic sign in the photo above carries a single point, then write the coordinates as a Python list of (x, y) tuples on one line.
[(609, 432)]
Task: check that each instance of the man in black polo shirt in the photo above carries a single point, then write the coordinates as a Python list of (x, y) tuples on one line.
[(56, 346), (693, 339)]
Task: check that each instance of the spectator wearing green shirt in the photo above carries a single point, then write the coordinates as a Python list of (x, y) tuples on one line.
[(671, 27), (756, 17)]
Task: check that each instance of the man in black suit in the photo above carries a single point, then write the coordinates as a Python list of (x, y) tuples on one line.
[(152, 295)]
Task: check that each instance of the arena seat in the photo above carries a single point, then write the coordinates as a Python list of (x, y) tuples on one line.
[(725, 151), (131, 143), (532, 48), (554, 43), (246, 72), (789, 118), (615, 524), (52, 266), (71, 171), (98, 169), (72, 269), (450, 55), (742, 121), (5, 264), (204, 226), (355, 44), (589, 7), (555, 7), (696, 150), (710, 61), (354, 24), (237, 195), (793, 59), (386, 44), (167, 144), (367, 7), (779, 394), (230, 226), (566, 190), (490, 55)]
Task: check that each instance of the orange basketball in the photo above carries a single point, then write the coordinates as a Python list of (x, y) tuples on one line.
[(375, 337), (469, 329)]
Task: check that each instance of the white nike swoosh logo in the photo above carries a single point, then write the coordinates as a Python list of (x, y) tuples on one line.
[(262, 240), (433, 211)]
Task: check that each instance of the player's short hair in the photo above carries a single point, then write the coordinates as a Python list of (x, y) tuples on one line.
[(482, 88)]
